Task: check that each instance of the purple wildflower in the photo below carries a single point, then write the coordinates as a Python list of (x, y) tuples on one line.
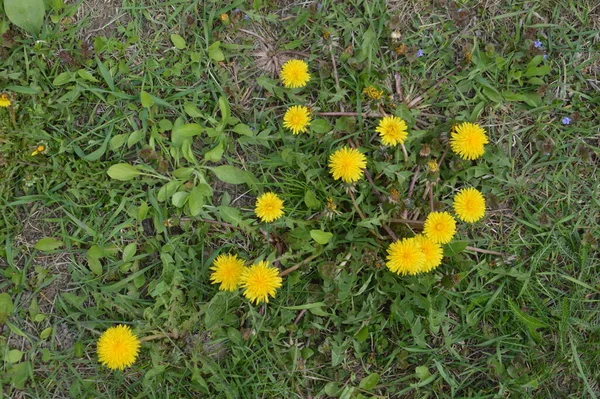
[(566, 120), (545, 56), (537, 44), (420, 53)]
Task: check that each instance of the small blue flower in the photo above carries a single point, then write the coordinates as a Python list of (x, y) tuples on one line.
[(537, 44), (420, 53), (545, 56), (566, 120)]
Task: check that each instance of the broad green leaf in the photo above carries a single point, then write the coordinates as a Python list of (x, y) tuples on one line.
[(243, 129), (320, 236), (6, 306), (26, 14), (183, 132), (196, 201), (95, 265), (178, 41), (129, 251), (168, 190), (192, 110), (14, 356), (225, 110), (215, 53), (215, 154), (46, 333), (231, 215), (232, 175), (422, 372), (146, 99), (86, 75), (48, 244), (320, 126), (123, 172), (117, 141), (135, 138), (183, 173), (22, 89), (369, 382), (63, 78), (362, 334), (179, 199), (454, 247), (310, 199)]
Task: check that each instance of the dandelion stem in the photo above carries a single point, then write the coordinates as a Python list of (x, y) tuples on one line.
[(484, 251), (405, 153)]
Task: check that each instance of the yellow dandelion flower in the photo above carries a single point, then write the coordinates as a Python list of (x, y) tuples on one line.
[(118, 347), (469, 205), (4, 101), (269, 207), (347, 164), (433, 166), (227, 270), (294, 73), (372, 92), (433, 252), (468, 140), (297, 118), (260, 281), (392, 130), (440, 227), (405, 257)]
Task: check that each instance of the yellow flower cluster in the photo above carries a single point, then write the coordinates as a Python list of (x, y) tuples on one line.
[(258, 281), (372, 92)]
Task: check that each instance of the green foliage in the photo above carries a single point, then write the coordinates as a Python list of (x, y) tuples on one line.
[(26, 14), (165, 126)]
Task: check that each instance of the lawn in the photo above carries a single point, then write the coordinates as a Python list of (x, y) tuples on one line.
[(136, 138)]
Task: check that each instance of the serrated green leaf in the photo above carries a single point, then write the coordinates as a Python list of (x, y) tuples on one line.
[(48, 244)]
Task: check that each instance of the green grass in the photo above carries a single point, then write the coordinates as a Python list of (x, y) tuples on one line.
[(521, 324)]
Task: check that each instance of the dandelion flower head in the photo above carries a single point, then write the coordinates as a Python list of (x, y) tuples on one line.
[(469, 205), (4, 100), (392, 130), (440, 227), (118, 347), (433, 252), (269, 207), (468, 140), (372, 92), (347, 164), (260, 281), (296, 119), (294, 74), (405, 257), (227, 271)]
